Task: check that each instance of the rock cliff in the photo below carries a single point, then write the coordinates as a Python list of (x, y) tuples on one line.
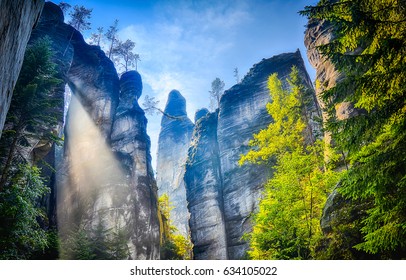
[(341, 217), (320, 33), (173, 143), (17, 18), (212, 170), (131, 144), (106, 179), (204, 183)]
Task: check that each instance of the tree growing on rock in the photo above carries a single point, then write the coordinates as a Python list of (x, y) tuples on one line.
[(111, 36), (64, 7), (32, 109), (96, 38), (80, 18), (368, 47), (30, 119), (217, 90), (125, 54)]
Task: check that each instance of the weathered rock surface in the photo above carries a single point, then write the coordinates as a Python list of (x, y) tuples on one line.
[(200, 114), (95, 188), (131, 144), (174, 138), (340, 223), (341, 217), (17, 18), (243, 113), (213, 171), (204, 183), (320, 33)]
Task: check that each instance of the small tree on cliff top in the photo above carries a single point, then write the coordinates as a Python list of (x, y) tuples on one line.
[(217, 90), (80, 18)]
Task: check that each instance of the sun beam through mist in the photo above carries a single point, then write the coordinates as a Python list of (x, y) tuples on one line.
[(94, 192)]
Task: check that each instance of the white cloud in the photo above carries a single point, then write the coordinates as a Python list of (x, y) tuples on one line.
[(188, 44)]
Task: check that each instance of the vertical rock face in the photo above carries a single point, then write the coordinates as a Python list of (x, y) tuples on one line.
[(204, 183), (174, 138), (17, 18), (131, 144), (106, 181), (200, 114), (242, 113), (338, 213)]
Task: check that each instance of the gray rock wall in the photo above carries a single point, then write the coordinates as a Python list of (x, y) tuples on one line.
[(204, 183), (17, 18), (106, 178), (173, 143), (131, 144), (242, 113)]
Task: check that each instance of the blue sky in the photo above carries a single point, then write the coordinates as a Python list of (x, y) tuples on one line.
[(185, 45)]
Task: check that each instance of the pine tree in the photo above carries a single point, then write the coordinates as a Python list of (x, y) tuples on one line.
[(80, 18), (287, 224), (64, 7), (111, 36), (96, 38), (32, 114), (217, 90), (20, 233), (126, 57), (369, 48)]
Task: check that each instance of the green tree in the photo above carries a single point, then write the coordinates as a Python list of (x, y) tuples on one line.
[(32, 117), (99, 243), (217, 90), (32, 114), (111, 36), (20, 233), (126, 57), (80, 18), (96, 38), (287, 224), (369, 48), (64, 7), (174, 246)]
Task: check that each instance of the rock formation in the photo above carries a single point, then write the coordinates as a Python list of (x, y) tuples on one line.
[(130, 142), (221, 194), (338, 212), (17, 18), (106, 180), (204, 183), (174, 138), (200, 114)]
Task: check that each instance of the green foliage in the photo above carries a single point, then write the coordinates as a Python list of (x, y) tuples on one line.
[(32, 117), (97, 243), (33, 110), (126, 56), (287, 224), (217, 90), (111, 36), (173, 246), (20, 232), (79, 17), (369, 49)]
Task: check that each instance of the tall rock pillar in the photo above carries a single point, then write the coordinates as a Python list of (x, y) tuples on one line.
[(174, 138), (131, 144)]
